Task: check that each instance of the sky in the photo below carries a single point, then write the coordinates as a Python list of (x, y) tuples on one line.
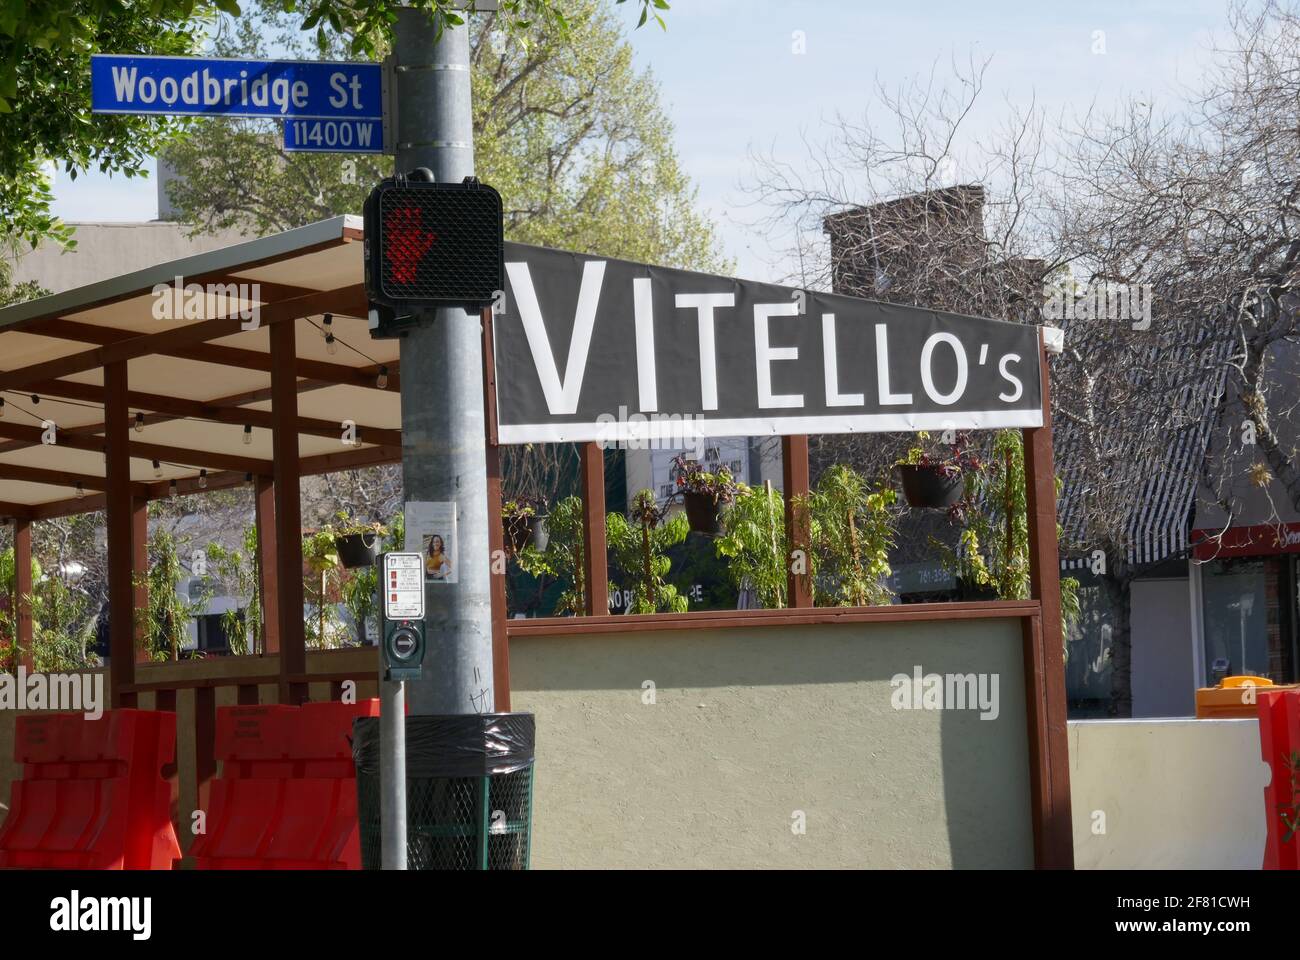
[(739, 76)]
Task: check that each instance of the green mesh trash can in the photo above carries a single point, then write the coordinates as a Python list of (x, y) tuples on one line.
[(469, 791)]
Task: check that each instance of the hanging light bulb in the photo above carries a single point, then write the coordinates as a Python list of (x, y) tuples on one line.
[(157, 470), (381, 381), (36, 398), (81, 491), (329, 322), (139, 423), (171, 489), (248, 477), (248, 434), (2, 406), (331, 347), (203, 479)]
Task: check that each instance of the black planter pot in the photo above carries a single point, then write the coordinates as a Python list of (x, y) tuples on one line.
[(357, 549), (703, 512), (521, 531), (928, 487)]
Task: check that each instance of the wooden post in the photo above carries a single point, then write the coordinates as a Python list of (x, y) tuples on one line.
[(595, 574), (139, 576), (268, 587), (205, 744), (794, 474), (1044, 657), (23, 592), (288, 514), (496, 534), (121, 536)]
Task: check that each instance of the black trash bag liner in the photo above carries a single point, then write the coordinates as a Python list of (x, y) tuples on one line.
[(460, 745)]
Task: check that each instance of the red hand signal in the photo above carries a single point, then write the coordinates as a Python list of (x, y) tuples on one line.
[(406, 242)]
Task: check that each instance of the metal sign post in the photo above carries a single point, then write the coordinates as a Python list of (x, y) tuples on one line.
[(401, 583)]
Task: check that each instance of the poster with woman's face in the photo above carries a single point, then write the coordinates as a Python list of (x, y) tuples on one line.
[(432, 526)]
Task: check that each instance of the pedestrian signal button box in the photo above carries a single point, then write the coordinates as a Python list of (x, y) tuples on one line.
[(403, 606)]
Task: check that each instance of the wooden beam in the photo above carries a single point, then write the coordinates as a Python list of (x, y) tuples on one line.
[(142, 451), (288, 516), (268, 585), (56, 478), (173, 339), (219, 354), (794, 473), (595, 578), (121, 536), (166, 409), (15, 511), (1044, 658), (496, 534), (22, 600)]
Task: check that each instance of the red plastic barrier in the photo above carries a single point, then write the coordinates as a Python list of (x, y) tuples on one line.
[(287, 794), (1279, 741), (92, 796)]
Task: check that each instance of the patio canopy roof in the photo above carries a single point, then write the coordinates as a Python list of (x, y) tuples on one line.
[(198, 382)]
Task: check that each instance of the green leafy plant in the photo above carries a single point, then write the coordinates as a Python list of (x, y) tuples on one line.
[(564, 559), (344, 525), (993, 546), (237, 570), (754, 544), (1290, 812), (168, 612), (639, 543), (323, 582), (691, 477), (852, 531), (523, 507), (63, 626)]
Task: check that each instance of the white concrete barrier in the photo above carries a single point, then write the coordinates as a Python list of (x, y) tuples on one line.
[(1167, 794)]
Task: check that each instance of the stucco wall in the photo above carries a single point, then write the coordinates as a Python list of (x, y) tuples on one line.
[(753, 723), (1169, 794)]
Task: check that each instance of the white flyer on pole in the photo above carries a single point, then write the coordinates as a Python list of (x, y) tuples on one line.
[(431, 529)]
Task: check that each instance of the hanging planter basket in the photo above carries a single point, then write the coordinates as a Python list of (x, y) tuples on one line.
[(524, 530), (703, 512), (357, 550), (929, 487)]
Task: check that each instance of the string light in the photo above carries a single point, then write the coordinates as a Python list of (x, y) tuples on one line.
[(381, 381), (139, 423), (330, 346), (203, 479), (36, 398), (157, 470), (2, 406), (248, 477), (248, 434), (171, 489), (81, 491)]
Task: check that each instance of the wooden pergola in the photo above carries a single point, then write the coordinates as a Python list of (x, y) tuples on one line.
[(113, 398), (145, 406)]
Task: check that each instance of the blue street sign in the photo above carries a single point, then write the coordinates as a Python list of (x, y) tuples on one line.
[(333, 136), (124, 83)]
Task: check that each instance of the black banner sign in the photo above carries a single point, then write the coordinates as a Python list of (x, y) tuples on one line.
[(598, 349)]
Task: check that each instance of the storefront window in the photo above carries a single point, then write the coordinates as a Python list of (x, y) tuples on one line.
[(1250, 610)]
